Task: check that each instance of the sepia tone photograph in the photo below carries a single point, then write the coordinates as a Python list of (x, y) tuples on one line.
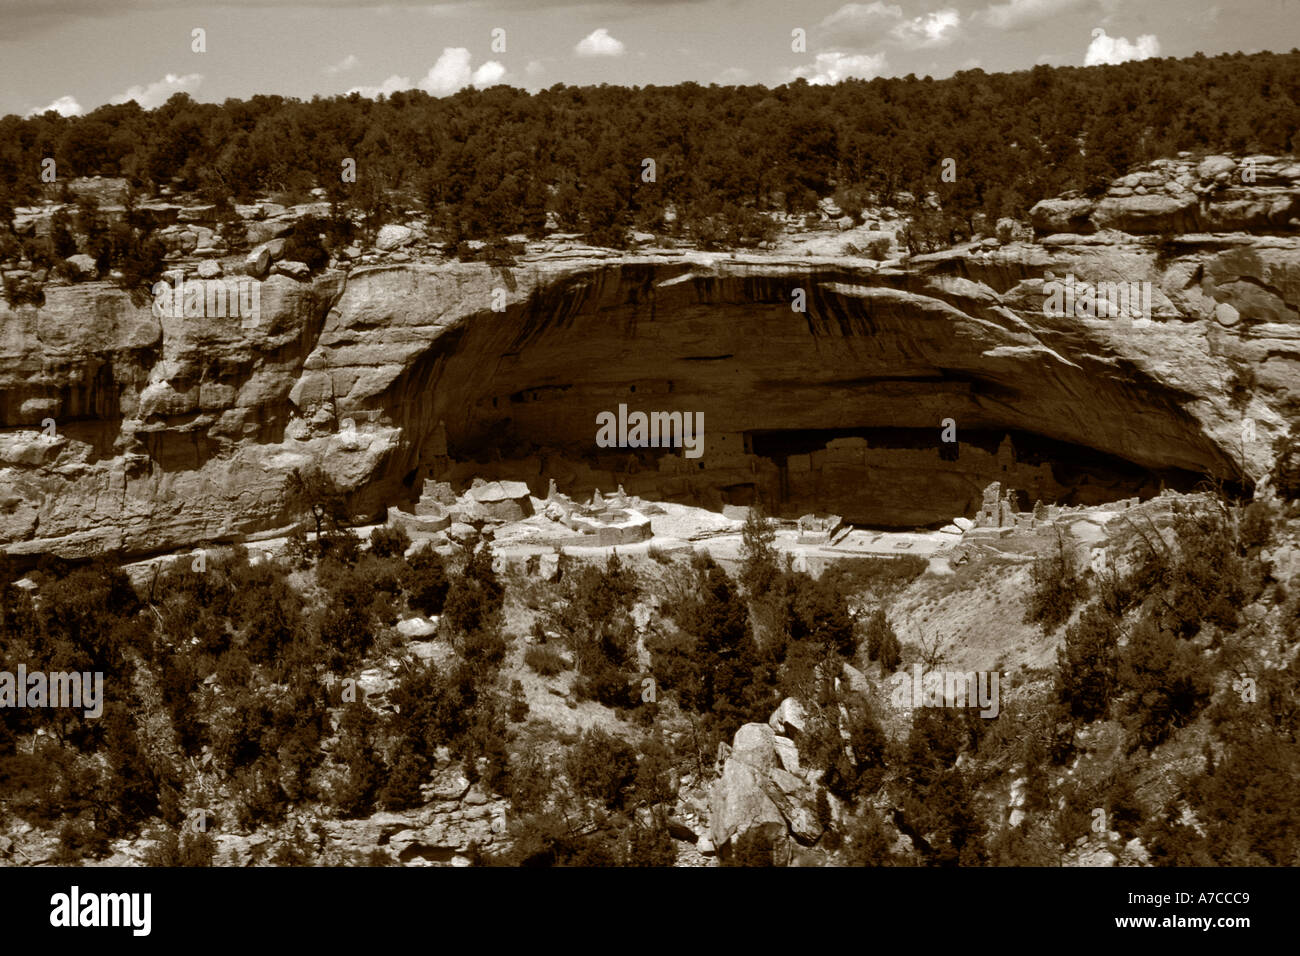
[(700, 433)]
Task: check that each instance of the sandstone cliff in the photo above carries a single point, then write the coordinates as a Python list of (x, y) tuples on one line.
[(172, 431)]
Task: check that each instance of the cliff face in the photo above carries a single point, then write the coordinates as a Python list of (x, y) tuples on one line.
[(173, 431)]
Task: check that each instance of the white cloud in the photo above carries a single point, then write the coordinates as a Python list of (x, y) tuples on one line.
[(343, 65), (489, 74), (450, 73), (599, 43), (854, 20), (928, 30), (861, 25), (157, 93), (534, 67), (1017, 14), (833, 67), (64, 106), (1108, 49), (394, 84)]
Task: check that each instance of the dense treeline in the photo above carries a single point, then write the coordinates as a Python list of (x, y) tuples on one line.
[(494, 162)]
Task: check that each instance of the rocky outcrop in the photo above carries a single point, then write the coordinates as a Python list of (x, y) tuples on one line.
[(762, 788), (122, 428), (1257, 194)]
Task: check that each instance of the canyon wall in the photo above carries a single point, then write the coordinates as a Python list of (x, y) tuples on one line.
[(125, 429)]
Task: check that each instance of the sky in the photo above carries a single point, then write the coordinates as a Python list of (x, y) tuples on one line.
[(76, 55)]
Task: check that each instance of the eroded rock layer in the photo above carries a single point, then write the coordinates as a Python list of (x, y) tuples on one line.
[(124, 429)]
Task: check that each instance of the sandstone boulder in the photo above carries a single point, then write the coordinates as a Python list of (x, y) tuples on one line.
[(393, 237), (789, 719), (1213, 166), (260, 232), (763, 788), (293, 269), (258, 262), (1062, 215), (83, 266), (1146, 214)]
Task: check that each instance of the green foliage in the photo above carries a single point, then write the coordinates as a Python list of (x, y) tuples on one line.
[(710, 662), (753, 848), (315, 492), (1285, 476)]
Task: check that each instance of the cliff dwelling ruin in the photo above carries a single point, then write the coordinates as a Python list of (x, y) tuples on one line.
[(836, 410)]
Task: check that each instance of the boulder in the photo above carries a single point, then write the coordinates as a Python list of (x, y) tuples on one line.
[(1061, 215), (463, 533), (788, 754), (258, 262), (754, 745), (416, 627), (83, 266), (1146, 214), (393, 237), (1212, 167), (789, 719), (739, 802), (293, 269), (210, 269), (259, 232)]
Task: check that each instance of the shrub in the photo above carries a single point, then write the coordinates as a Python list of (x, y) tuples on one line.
[(1056, 586), (759, 571), (184, 848), (343, 545), (475, 596), (518, 703), (485, 647), (882, 642), (80, 840), (879, 249), (389, 542), (546, 661), (602, 767), (425, 582), (407, 770)]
